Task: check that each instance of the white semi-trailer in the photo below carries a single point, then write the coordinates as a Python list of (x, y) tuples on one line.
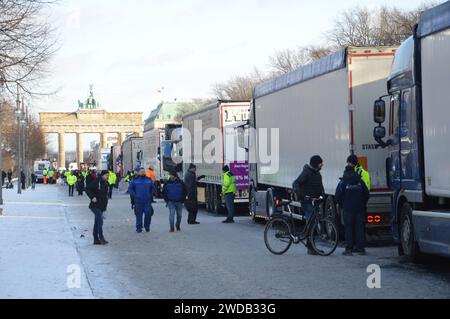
[(153, 149), (419, 137), (132, 154), (212, 143), (324, 108)]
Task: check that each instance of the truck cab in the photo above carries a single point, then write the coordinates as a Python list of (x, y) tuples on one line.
[(417, 137)]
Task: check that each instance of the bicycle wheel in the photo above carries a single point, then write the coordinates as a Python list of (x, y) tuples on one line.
[(324, 237), (277, 236)]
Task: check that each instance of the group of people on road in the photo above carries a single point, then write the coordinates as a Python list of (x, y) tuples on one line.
[(142, 186), (352, 195), (23, 179)]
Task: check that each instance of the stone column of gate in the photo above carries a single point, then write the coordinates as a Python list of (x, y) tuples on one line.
[(103, 140), (80, 157), (61, 150), (122, 137)]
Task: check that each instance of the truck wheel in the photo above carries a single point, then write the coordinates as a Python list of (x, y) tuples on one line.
[(252, 204), (216, 200), (212, 200), (208, 198), (331, 212), (407, 237)]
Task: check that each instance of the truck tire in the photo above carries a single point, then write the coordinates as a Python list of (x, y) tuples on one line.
[(408, 241), (217, 204), (208, 197), (252, 204), (331, 212)]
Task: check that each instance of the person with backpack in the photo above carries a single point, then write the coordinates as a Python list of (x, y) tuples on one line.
[(352, 196), (191, 203), (80, 184), (229, 190), (141, 189), (174, 193)]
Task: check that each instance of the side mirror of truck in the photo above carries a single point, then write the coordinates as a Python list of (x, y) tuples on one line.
[(379, 132), (379, 111)]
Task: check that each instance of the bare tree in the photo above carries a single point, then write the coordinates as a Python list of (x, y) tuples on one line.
[(239, 87), (194, 105), (26, 43), (285, 61), (386, 26)]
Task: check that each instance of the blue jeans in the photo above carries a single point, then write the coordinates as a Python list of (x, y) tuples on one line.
[(354, 222), (229, 203), (177, 208), (98, 224), (143, 209), (308, 208)]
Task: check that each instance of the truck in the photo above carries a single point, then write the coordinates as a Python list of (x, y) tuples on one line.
[(115, 159), (39, 167), (217, 125), (323, 108), (155, 141), (132, 154), (417, 169)]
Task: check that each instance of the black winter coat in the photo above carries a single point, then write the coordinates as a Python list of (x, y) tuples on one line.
[(309, 183), (98, 188), (352, 193)]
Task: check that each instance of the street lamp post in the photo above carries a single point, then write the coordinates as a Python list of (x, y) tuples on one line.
[(19, 143)]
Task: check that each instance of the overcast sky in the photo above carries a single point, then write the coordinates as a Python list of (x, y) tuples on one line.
[(130, 49)]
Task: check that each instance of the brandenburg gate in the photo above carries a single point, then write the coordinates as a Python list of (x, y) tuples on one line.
[(89, 118)]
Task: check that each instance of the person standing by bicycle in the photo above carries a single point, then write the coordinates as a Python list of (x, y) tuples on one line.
[(307, 186), (352, 196)]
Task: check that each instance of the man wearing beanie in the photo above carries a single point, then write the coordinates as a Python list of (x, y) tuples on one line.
[(352, 196), (97, 192), (309, 184)]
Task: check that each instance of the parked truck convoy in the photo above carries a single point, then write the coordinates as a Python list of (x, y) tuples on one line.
[(132, 154), (323, 108), (226, 117), (153, 146), (418, 152)]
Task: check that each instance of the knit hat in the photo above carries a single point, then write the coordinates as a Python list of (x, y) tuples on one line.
[(192, 166), (353, 159), (104, 172), (316, 161), (226, 168)]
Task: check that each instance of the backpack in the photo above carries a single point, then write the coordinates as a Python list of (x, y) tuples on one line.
[(175, 192)]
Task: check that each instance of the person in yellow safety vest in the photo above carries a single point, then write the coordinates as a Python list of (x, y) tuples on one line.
[(66, 175), (44, 174), (51, 173), (71, 180), (365, 176), (128, 177), (228, 191), (112, 179)]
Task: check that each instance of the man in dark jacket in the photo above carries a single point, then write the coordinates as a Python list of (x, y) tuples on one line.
[(3, 178), (141, 189), (352, 195), (97, 191), (174, 193), (307, 186), (191, 203)]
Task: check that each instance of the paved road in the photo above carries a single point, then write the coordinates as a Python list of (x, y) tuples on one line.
[(46, 231)]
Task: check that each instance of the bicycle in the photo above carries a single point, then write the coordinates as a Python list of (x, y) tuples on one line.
[(280, 232)]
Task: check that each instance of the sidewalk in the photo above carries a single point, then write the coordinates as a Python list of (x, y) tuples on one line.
[(37, 247)]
